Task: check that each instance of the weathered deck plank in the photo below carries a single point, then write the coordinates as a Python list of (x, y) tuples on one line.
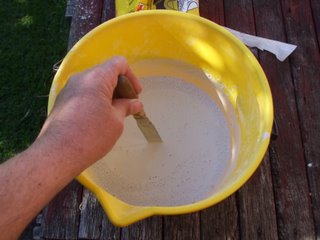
[(291, 189), (108, 10), (305, 68), (212, 10), (182, 227), (61, 217), (86, 16), (221, 221), (256, 205), (150, 228), (94, 223), (315, 5)]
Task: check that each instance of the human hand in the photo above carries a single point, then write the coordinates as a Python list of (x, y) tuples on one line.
[(85, 120)]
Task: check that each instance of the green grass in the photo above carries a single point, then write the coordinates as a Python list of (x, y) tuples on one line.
[(33, 36)]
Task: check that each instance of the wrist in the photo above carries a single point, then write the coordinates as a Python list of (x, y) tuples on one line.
[(62, 151)]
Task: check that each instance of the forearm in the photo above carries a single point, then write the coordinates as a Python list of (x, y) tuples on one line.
[(32, 178), (82, 127)]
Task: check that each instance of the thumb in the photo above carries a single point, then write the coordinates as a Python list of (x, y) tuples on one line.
[(127, 107)]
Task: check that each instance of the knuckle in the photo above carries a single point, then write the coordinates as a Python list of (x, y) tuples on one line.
[(118, 61), (97, 73)]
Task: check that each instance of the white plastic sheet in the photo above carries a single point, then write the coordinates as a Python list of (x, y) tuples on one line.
[(280, 49)]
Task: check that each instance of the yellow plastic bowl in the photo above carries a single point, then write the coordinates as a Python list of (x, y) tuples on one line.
[(195, 41)]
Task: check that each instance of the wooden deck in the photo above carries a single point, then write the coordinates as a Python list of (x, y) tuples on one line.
[(282, 199)]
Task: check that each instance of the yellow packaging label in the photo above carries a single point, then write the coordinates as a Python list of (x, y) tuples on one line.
[(127, 6)]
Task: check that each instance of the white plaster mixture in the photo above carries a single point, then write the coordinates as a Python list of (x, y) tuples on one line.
[(195, 154)]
